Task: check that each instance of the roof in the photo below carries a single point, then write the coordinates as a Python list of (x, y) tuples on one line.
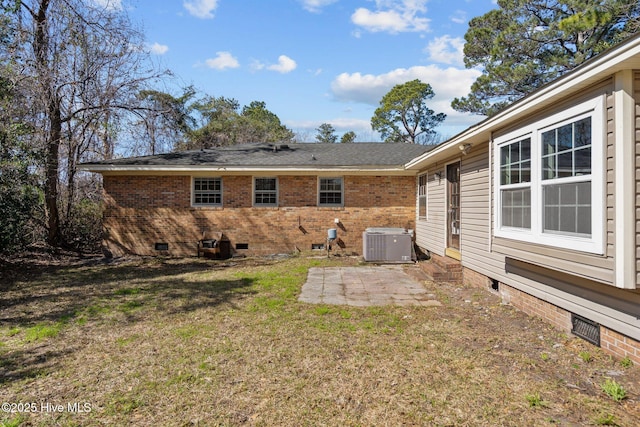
[(262, 156)]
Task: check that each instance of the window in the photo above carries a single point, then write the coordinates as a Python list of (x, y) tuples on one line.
[(330, 192), (207, 191), (549, 180), (422, 196), (515, 184), (265, 192)]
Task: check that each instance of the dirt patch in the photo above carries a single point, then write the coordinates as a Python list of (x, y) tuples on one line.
[(201, 342)]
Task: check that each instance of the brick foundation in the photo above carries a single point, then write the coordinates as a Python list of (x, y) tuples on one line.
[(144, 210), (611, 342), (619, 345)]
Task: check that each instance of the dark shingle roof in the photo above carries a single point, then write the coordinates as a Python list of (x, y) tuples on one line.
[(305, 155)]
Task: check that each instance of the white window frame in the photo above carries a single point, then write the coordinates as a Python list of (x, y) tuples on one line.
[(422, 193), (194, 191), (593, 244), (274, 192), (341, 204)]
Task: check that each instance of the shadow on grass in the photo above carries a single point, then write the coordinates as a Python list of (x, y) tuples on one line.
[(30, 363), (67, 297), (56, 293)]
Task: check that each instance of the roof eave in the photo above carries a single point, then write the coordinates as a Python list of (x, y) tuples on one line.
[(111, 169)]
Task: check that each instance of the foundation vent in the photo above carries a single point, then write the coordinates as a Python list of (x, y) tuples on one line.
[(586, 329)]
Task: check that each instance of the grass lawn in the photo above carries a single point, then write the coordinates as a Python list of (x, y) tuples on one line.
[(181, 342)]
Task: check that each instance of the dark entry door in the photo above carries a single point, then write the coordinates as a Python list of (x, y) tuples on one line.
[(453, 206)]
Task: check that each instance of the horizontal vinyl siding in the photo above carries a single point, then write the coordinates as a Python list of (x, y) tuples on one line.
[(430, 233), (475, 214)]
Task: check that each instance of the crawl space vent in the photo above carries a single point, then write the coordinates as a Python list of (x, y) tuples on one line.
[(162, 246), (586, 329)]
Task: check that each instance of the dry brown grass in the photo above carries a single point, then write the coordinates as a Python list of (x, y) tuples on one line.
[(193, 342)]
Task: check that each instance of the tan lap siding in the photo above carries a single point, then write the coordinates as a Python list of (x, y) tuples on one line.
[(475, 213), (430, 233)]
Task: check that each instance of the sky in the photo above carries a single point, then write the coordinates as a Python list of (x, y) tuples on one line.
[(314, 61)]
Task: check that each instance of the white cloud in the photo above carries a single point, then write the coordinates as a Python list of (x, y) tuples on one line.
[(222, 61), (393, 16), (200, 8), (459, 17), (315, 5), (284, 65), (447, 83), (158, 49), (446, 50)]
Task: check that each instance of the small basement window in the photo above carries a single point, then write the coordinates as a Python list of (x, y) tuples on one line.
[(162, 246), (242, 246), (317, 246)]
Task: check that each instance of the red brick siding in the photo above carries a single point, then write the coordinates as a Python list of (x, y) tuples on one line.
[(619, 345), (611, 342), (143, 210)]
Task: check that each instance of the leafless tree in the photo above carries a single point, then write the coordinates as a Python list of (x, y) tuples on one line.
[(80, 64)]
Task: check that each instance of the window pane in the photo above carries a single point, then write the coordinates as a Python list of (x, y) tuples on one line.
[(583, 132), (551, 218), (525, 172), (549, 167), (505, 175), (583, 161), (525, 149), (504, 155), (584, 220), (565, 138), (549, 142), (567, 208), (515, 152), (516, 208), (565, 164)]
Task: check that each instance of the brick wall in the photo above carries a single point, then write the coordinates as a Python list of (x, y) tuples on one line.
[(144, 210), (611, 342), (619, 345)]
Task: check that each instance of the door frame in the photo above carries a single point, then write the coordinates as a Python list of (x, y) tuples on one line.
[(450, 250)]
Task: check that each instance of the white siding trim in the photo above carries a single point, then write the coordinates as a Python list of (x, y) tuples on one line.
[(625, 257)]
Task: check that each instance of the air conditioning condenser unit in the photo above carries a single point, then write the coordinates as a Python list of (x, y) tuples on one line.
[(390, 245)]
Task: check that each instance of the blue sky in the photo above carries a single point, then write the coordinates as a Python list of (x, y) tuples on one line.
[(314, 61)]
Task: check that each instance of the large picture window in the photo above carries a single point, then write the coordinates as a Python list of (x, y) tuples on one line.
[(265, 192), (207, 191), (549, 180), (330, 192)]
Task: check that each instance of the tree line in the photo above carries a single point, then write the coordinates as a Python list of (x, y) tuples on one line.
[(77, 84)]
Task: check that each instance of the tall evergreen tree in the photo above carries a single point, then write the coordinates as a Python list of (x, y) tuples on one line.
[(526, 43)]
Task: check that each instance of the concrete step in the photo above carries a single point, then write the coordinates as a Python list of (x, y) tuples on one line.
[(442, 269)]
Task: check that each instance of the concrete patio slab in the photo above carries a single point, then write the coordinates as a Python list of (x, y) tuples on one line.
[(364, 286)]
